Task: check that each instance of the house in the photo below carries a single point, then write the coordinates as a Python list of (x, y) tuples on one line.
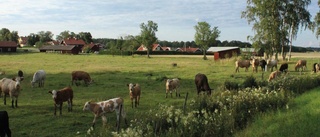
[(77, 43), (23, 41), (224, 52), (54, 42), (8, 46), (93, 47), (189, 49), (155, 47), (60, 49)]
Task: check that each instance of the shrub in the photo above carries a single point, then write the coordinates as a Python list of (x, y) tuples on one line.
[(250, 82)]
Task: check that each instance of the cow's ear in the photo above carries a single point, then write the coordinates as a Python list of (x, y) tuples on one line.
[(50, 92), (127, 85), (134, 85)]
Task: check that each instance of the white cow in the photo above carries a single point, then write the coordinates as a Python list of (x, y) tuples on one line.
[(39, 77)]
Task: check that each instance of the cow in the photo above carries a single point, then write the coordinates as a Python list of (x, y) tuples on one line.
[(262, 64), (172, 84), (134, 92), (284, 67), (60, 96), (316, 67), (242, 64), (80, 75), (255, 64), (201, 82), (4, 124), (20, 74), (301, 64), (12, 88), (39, 77), (274, 75), (103, 107), (272, 63)]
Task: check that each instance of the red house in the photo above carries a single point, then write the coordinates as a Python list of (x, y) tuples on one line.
[(8, 46)]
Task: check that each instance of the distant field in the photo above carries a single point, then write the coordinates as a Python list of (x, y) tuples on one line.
[(34, 117)]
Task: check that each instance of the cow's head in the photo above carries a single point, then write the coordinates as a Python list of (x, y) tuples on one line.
[(86, 106), (131, 86), (53, 93)]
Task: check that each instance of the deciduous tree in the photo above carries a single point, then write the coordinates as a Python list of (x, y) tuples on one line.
[(148, 35)]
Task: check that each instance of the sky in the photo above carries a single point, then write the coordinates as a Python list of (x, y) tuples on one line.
[(115, 18)]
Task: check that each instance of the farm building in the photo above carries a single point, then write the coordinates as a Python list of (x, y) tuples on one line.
[(92, 47), (77, 43), (155, 47), (23, 41), (189, 49), (8, 46), (224, 52), (60, 49)]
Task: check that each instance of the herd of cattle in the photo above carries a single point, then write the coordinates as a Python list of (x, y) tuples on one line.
[(11, 87), (301, 65)]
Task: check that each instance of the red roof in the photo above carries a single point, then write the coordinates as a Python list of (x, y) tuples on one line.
[(73, 41), (8, 44), (24, 40)]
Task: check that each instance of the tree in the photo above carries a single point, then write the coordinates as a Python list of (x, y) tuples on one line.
[(148, 35), (85, 36), (64, 35), (316, 26), (276, 21), (132, 42), (6, 35), (205, 36), (45, 36), (33, 39)]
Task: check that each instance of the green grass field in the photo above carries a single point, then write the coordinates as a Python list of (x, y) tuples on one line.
[(34, 117)]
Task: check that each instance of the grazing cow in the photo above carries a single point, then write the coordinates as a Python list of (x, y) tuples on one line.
[(60, 96), (284, 67), (301, 64), (255, 64), (39, 77), (242, 64), (262, 64), (271, 63), (103, 107), (134, 92), (4, 124), (81, 75), (274, 75), (20, 74), (12, 88), (316, 67), (172, 84), (201, 82)]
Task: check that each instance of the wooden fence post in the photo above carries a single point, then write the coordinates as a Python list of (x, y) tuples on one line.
[(185, 103)]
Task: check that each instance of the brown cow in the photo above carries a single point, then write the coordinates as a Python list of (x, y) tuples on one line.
[(201, 82), (274, 75), (255, 64), (81, 75), (134, 92), (60, 96), (242, 64), (301, 64)]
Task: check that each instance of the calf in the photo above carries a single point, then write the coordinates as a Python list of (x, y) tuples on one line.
[(201, 82), (262, 64), (4, 124), (272, 63), (39, 77), (81, 75), (255, 64), (301, 64), (20, 74), (103, 107), (134, 92), (284, 67), (242, 64), (60, 96), (172, 84), (274, 75)]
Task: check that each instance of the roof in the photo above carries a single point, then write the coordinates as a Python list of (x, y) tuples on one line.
[(91, 45), (24, 40), (8, 44), (188, 49), (248, 49), (56, 47), (217, 49), (73, 41)]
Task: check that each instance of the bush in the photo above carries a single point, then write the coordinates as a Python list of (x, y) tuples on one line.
[(250, 82)]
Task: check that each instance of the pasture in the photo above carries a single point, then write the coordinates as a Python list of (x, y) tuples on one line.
[(34, 116)]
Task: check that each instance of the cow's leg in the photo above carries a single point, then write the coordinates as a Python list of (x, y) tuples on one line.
[(4, 99), (16, 102), (132, 102), (12, 101), (60, 108), (136, 101), (94, 120), (138, 98), (104, 120)]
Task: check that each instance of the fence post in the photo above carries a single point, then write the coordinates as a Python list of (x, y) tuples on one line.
[(185, 103), (118, 120)]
